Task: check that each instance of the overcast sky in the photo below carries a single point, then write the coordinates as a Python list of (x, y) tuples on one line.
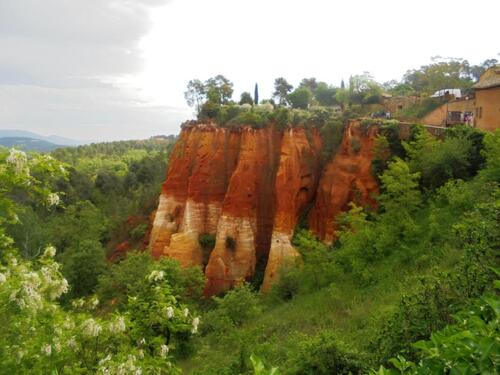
[(117, 69)]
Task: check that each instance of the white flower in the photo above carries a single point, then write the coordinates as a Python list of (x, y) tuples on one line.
[(47, 349), (142, 341), (94, 302), (156, 275), (141, 354), (18, 160), (72, 343), (117, 326), (2, 278), (60, 288), (196, 323), (186, 312), (50, 252), (53, 199), (91, 328), (105, 359), (170, 312), (57, 347), (77, 302), (164, 350)]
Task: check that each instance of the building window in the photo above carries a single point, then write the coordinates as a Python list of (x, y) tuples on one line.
[(480, 112)]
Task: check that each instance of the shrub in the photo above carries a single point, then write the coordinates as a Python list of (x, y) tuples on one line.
[(324, 355), (281, 117), (238, 306), (332, 133), (139, 232), (288, 284), (227, 113)]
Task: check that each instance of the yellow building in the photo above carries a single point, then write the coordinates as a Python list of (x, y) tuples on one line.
[(487, 101)]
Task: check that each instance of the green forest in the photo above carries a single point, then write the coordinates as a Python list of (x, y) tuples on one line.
[(409, 288)]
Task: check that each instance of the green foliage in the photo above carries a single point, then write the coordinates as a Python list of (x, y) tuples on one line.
[(82, 264), (288, 285), (325, 94), (332, 134), (157, 317), (323, 355), (281, 90), (39, 336), (219, 89), (128, 277), (438, 161), (238, 306), (300, 98), (443, 74), (260, 369), (470, 345), (246, 98), (363, 89), (139, 232), (491, 172)]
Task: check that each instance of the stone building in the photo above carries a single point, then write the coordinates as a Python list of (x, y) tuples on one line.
[(455, 111), (487, 102)]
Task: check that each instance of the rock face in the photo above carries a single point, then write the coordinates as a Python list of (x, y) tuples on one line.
[(249, 188), (296, 183), (346, 178)]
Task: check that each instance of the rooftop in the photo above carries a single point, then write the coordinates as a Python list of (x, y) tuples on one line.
[(489, 79)]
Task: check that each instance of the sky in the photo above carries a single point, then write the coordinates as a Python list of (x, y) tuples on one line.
[(117, 69)]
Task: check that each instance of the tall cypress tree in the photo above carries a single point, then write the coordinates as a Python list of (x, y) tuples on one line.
[(256, 95), (342, 84)]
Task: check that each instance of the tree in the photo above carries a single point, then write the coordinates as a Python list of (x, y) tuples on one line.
[(195, 94), (219, 89), (281, 90), (256, 94), (300, 98), (364, 89), (342, 84), (477, 70), (310, 83), (83, 263), (246, 98), (342, 97), (325, 94), (443, 74)]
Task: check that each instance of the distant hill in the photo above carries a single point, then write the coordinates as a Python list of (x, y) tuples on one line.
[(14, 133), (28, 144)]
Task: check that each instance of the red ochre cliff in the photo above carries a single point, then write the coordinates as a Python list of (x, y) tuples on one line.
[(249, 187), (346, 178)]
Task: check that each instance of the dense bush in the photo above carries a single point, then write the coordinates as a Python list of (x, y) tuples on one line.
[(128, 276), (238, 306), (324, 355)]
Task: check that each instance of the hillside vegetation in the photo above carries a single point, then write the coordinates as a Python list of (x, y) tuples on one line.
[(411, 287)]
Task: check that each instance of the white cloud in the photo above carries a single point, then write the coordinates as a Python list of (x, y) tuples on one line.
[(116, 69)]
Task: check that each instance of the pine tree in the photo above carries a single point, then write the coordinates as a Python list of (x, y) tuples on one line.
[(342, 84), (256, 95)]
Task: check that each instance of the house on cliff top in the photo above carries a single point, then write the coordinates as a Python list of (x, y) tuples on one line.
[(487, 101)]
